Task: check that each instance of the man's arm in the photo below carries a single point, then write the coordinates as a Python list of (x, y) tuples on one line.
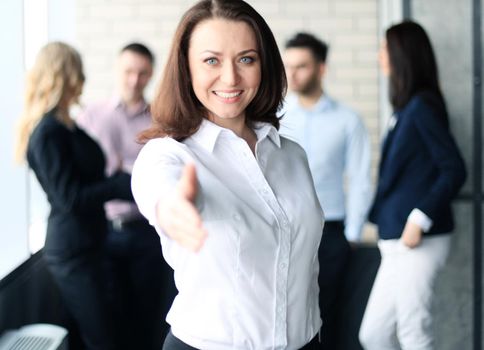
[(358, 175)]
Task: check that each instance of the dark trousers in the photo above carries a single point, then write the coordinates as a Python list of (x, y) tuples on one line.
[(81, 283), (173, 343), (141, 285), (333, 256)]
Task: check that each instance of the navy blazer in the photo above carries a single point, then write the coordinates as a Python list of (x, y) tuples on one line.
[(421, 167)]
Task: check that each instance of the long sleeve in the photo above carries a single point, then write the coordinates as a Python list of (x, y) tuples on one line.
[(445, 155), (52, 159), (155, 173), (357, 171)]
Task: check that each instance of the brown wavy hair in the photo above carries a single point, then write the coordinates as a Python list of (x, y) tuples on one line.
[(176, 111)]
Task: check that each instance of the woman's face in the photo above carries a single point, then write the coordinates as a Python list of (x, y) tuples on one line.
[(384, 59), (225, 68), (75, 93)]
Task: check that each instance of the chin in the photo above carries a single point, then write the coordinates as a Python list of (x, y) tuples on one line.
[(231, 116)]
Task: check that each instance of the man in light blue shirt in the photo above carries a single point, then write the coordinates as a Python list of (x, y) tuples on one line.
[(338, 150)]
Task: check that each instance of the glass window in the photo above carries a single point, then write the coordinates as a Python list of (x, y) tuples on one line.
[(23, 204)]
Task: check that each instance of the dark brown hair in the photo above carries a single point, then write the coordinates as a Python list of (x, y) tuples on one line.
[(318, 48), (176, 111), (413, 68), (140, 49)]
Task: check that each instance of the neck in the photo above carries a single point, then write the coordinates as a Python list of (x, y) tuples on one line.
[(240, 128), (63, 116), (133, 105), (309, 99)]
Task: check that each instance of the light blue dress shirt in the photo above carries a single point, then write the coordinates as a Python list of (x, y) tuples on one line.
[(338, 149)]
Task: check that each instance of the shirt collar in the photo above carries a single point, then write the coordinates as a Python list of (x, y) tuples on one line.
[(117, 103), (324, 103), (264, 130), (208, 134)]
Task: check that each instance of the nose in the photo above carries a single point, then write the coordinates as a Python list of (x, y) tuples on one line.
[(229, 74), (133, 79)]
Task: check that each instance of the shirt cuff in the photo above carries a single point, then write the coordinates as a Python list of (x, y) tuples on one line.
[(353, 233), (419, 218)]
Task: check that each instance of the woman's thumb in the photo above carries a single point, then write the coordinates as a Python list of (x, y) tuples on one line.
[(187, 184)]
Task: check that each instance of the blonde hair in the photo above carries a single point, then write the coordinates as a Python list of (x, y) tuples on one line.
[(56, 76)]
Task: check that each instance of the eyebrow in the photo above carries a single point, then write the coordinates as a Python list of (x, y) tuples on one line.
[(244, 52)]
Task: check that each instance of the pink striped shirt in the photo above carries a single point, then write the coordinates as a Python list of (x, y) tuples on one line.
[(116, 129)]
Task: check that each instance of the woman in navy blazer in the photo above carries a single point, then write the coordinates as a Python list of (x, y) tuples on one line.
[(421, 171)]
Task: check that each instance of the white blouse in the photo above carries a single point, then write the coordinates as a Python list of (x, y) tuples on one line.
[(253, 284)]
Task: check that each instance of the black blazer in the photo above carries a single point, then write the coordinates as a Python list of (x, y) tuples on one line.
[(70, 168), (420, 167)]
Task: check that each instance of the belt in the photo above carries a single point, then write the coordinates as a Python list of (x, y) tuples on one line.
[(119, 224), (335, 224), (172, 342)]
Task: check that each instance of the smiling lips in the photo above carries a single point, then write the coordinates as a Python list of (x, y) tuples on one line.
[(229, 97)]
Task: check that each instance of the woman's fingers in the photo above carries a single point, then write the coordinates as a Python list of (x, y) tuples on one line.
[(192, 240), (187, 221), (412, 235), (179, 217), (187, 185)]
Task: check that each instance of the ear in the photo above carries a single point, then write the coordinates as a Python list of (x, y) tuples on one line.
[(322, 70)]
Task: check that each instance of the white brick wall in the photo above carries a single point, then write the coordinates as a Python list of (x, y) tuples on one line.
[(350, 27)]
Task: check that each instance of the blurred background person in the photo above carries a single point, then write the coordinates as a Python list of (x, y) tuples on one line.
[(70, 168), (141, 282), (338, 148), (421, 171)]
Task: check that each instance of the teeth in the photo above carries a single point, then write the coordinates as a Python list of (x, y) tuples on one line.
[(227, 94)]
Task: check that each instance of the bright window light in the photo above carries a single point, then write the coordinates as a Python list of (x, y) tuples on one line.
[(35, 36), (35, 28)]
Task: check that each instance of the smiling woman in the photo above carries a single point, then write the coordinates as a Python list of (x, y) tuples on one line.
[(217, 181)]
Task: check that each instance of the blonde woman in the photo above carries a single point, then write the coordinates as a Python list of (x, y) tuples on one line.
[(70, 168)]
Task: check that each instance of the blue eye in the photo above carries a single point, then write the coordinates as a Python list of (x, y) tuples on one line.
[(247, 60), (211, 61)]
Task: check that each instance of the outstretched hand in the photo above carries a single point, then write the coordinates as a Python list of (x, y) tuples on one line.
[(177, 214)]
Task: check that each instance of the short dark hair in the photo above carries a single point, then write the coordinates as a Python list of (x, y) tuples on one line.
[(413, 68), (318, 47), (139, 49), (176, 111)]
